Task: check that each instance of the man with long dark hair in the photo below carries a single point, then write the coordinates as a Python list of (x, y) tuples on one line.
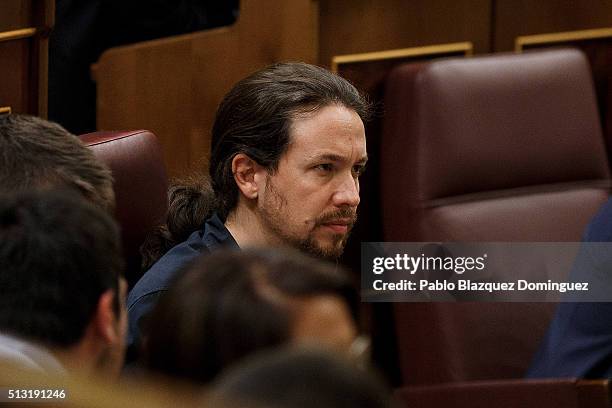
[(288, 147)]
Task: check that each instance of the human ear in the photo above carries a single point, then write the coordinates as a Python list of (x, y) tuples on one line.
[(245, 171), (106, 318)]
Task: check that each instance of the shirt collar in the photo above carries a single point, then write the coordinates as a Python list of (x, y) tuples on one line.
[(217, 235)]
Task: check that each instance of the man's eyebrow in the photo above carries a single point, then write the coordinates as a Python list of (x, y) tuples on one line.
[(336, 158), (328, 157)]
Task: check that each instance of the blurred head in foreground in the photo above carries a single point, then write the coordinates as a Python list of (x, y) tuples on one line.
[(301, 378), (38, 154), (62, 304), (229, 304)]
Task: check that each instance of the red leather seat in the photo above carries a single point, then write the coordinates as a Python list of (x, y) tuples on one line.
[(141, 186), (492, 148)]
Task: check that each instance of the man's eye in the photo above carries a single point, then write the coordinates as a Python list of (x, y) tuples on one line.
[(358, 170), (325, 167)]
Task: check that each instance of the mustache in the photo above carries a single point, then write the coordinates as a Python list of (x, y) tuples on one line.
[(343, 213)]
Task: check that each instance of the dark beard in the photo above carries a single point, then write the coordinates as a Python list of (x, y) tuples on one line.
[(309, 244), (310, 247)]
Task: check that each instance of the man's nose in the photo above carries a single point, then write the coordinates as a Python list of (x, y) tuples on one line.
[(347, 193)]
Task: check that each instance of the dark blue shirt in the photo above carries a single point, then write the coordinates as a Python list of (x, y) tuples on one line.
[(155, 281), (579, 340)]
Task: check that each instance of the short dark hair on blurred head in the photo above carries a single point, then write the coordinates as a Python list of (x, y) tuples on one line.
[(36, 153), (229, 304), (58, 255)]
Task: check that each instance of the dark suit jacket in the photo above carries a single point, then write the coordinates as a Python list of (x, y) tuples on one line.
[(145, 294)]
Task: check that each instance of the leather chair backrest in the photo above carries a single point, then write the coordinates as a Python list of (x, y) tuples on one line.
[(505, 147), (140, 184)]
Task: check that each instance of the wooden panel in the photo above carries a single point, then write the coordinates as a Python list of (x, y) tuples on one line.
[(44, 16), (24, 32), (173, 86), (16, 88), (514, 18), (357, 26), (597, 45), (16, 14)]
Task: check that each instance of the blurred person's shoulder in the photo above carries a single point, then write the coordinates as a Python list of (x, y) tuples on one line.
[(600, 227), (27, 356)]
